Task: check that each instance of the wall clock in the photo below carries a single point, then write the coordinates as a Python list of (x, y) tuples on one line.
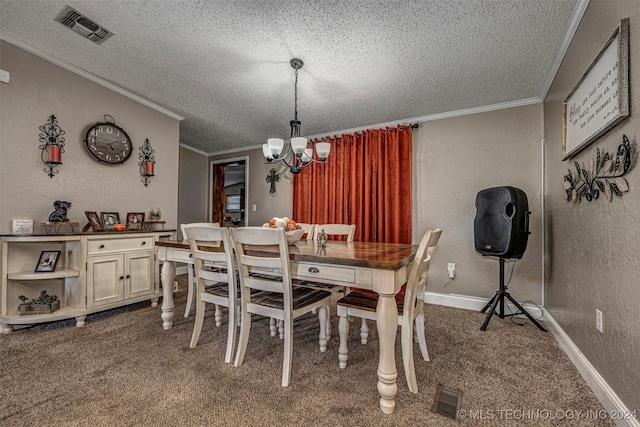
[(108, 143)]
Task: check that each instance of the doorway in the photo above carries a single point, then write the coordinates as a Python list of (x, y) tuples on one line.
[(229, 193)]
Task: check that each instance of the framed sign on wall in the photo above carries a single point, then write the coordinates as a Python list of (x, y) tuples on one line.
[(600, 99)]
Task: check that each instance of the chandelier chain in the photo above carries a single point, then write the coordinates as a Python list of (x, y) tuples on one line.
[(295, 103)]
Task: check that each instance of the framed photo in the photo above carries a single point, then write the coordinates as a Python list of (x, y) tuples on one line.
[(47, 262), (600, 99), (108, 219), (135, 220), (94, 221)]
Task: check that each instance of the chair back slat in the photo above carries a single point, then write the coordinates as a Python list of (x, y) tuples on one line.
[(347, 230), (309, 229), (261, 262), (278, 266), (431, 247), (419, 270), (211, 234), (198, 231)]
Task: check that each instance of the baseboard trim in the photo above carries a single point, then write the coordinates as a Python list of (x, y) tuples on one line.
[(601, 389), (477, 303), (598, 385)]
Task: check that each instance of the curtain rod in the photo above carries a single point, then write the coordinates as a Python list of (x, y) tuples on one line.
[(412, 126)]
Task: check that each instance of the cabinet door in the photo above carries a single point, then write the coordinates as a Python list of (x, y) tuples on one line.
[(104, 280), (139, 273)]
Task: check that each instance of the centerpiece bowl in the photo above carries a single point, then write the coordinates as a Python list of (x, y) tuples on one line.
[(294, 236)]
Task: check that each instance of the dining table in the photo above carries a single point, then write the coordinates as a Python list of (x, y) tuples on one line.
[(379, 267)]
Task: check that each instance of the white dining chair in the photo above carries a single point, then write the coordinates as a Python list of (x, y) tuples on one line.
[(347, 230), (191, 283), (273, 296), (309, 229), (410, 310), (215, 280)]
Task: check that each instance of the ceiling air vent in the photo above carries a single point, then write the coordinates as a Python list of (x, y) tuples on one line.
[(82, 25)]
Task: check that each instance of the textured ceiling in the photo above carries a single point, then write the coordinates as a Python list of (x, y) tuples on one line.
[(224, 65)]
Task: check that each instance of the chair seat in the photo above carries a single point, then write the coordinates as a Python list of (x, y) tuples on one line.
[(301, 297), (219, 289), (367, 300)]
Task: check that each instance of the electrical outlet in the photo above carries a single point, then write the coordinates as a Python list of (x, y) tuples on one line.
[(451, 269), (599, 320)]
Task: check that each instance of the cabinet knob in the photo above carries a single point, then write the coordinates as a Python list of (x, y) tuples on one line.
[(144, 243), (190, 255), (121, 277), (128, 276), (101, 246), (314, 270)]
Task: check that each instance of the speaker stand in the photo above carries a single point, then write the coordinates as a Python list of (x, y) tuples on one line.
[(499, 298)]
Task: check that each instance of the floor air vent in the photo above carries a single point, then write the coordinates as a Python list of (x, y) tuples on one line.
[(447, 402), (82, 25)]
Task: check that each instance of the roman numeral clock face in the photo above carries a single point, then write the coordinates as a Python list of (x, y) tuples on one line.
[(108, 143)]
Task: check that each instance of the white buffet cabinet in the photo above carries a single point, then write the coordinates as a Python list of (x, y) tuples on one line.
[(95, 272)]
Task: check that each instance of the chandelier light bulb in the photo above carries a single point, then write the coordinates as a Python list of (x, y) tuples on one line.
[(323, 149), (298, 145), (275, 146), (267, 153), (307, 156)]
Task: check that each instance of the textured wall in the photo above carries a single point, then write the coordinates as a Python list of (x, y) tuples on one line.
[(38, 89), (193, 187), (453, 160), (592, 247)]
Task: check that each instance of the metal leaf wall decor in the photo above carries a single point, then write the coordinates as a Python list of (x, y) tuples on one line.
[(605, 174)]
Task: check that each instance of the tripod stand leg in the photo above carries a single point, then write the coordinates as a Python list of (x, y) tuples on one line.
[(534, 321), (489, 303), (495, 300)]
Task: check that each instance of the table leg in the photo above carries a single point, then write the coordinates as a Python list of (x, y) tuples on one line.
[(387, 323), (168, 275)]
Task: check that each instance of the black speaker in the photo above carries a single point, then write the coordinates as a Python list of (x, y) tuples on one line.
[(501, 225)]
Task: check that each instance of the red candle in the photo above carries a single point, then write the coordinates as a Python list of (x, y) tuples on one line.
[(149, 168), (54, 154)]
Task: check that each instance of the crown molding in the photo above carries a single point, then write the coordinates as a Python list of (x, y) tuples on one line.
[(93, 78), (195, 150), (431, 117)]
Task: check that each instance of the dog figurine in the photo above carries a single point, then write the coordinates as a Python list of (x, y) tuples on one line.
[(60, 214)]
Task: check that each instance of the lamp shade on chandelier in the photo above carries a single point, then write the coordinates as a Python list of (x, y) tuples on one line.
[(297, 154)]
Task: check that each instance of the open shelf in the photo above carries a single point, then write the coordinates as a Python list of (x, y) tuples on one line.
[(60, 273), (62, 314)]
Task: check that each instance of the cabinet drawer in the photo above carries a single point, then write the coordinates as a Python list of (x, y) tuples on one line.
[(321, 272), (182, 255), (115, 245)]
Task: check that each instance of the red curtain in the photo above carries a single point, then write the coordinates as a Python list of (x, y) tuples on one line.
[(366, 181), (217, 198)]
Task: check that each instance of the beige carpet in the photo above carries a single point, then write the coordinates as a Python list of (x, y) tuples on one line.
[(123, 369)]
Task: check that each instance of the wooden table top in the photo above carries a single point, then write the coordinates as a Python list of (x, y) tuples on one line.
[(386, 256)]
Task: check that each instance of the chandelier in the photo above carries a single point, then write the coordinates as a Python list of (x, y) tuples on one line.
[(296, 155)]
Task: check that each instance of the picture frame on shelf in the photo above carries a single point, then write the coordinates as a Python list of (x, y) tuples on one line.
[(135, 220), (94, 221), (109, 219), (47, 262)]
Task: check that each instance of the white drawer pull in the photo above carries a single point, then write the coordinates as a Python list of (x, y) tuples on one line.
[(314, 270)]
